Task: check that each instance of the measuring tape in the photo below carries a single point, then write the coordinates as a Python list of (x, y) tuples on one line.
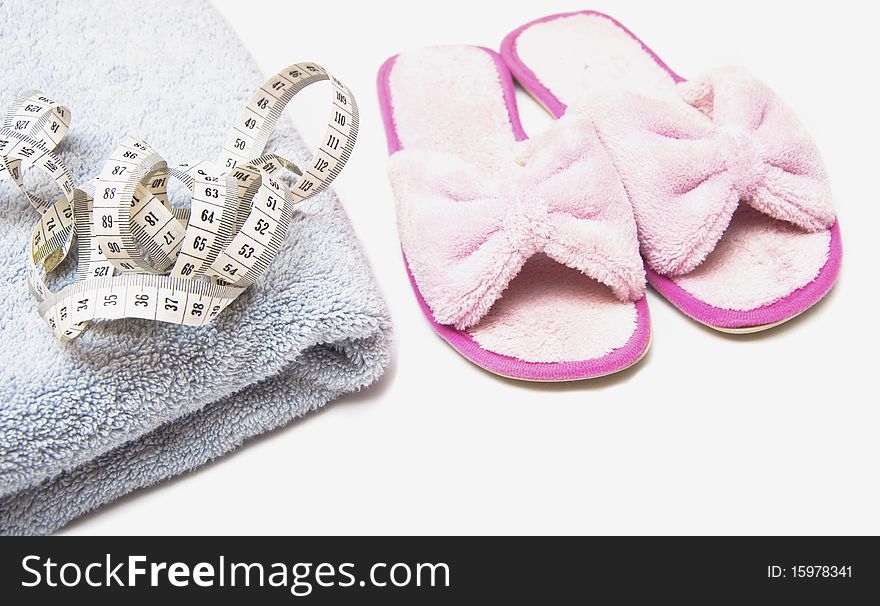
[(137, 257)]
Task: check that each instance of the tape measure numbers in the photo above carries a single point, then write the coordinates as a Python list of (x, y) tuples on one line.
[(137, 257)]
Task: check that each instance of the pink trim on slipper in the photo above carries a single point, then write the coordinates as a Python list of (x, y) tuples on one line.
[(384, 90), (786, 308), (463, 342), (789, 306), (506, 366)]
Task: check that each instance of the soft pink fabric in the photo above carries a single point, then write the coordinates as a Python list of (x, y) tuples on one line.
[(469, 121), (464, 343), (770, 313), (687, 166), (553, 313), (467, 231), (758, 260), (586, 56)]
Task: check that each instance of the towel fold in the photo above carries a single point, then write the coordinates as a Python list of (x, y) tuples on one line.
[(133, 402)]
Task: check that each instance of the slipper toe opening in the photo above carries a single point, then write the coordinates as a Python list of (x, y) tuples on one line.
[(551, 313)]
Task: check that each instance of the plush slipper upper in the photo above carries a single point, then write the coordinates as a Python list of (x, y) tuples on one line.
[(467, 230), (687, 166)]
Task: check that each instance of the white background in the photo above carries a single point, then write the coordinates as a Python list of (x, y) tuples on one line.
[(771, 433)]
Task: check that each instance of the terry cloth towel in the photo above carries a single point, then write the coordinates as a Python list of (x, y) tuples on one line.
[(133, 402)]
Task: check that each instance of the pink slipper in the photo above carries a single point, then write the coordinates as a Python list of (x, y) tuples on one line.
[(522, 252), (729, 193)]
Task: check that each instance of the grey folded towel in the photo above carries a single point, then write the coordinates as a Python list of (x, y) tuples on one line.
[(133, 402)]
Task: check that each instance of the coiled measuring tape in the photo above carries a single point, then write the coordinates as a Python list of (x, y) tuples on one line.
[(137, 257)]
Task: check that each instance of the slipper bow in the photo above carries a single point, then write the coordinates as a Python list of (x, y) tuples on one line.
[(687, 166), (467, 227)]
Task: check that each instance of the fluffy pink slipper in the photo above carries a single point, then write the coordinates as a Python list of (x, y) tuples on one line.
[(729, 193), (522, 252)]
